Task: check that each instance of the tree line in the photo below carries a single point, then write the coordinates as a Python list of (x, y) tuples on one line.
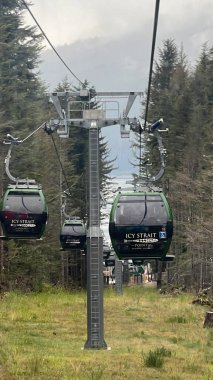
[(183, 96)]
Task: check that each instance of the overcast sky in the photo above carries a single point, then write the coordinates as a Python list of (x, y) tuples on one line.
[(121, 30), (109, 42)]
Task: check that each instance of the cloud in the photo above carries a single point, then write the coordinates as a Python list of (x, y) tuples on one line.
[(109, 42), (67, 21), (108, 65), (101, 39)]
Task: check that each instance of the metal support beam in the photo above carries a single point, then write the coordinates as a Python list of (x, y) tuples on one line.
[(126, 275), (86, 93), (55, 100), (131, 99), (95, 320), (93, 119), (118, 277)]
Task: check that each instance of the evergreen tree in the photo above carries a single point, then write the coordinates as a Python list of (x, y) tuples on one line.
[(22, 108), (186, 97), (19, 52)]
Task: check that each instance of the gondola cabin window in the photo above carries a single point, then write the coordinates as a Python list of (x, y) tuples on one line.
[(76, 229), (24, 203), (134, 210)]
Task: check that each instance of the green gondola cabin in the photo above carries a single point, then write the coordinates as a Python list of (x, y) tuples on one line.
[(23, 212), (73, 235), (141, 225)]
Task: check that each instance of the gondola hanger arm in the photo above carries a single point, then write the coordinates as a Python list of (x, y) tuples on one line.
[(11, 140), (63, 209), (7, 164), (154, 129), (15, 140), (10, 176)]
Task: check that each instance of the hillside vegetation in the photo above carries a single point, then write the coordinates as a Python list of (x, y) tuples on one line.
[(150, 335)]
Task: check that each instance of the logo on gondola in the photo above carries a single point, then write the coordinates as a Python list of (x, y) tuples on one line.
[(23, 223), (141, 237), (150, 240), (72, 241), (162, 234)]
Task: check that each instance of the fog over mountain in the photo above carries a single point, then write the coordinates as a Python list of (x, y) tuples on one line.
[(110, 46)]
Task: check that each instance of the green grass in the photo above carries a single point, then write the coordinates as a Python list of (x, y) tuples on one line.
[(150, 335), (177, 319)]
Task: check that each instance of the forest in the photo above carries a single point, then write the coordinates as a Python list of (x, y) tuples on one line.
[(182, 95)]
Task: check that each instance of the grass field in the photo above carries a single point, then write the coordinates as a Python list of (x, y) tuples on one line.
[(151, 337)]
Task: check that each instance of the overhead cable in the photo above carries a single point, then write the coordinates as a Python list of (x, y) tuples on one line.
[(51, 45), (31, 134), (152, 58), (62, 169), (157, 4)]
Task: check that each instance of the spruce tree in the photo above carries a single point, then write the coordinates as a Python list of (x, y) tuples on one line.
[(22, 110)]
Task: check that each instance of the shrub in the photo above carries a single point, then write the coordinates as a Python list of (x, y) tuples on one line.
[(154, 358)]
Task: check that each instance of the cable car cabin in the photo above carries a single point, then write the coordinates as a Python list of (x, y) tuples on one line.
[(73, 235), (106, 251), (137, 262), (23, 212), (141, 225), (110, 261)]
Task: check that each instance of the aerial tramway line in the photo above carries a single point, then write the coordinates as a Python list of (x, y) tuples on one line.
[(23, 210)]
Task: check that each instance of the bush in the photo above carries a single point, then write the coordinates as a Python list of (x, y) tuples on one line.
[(154, 358)]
